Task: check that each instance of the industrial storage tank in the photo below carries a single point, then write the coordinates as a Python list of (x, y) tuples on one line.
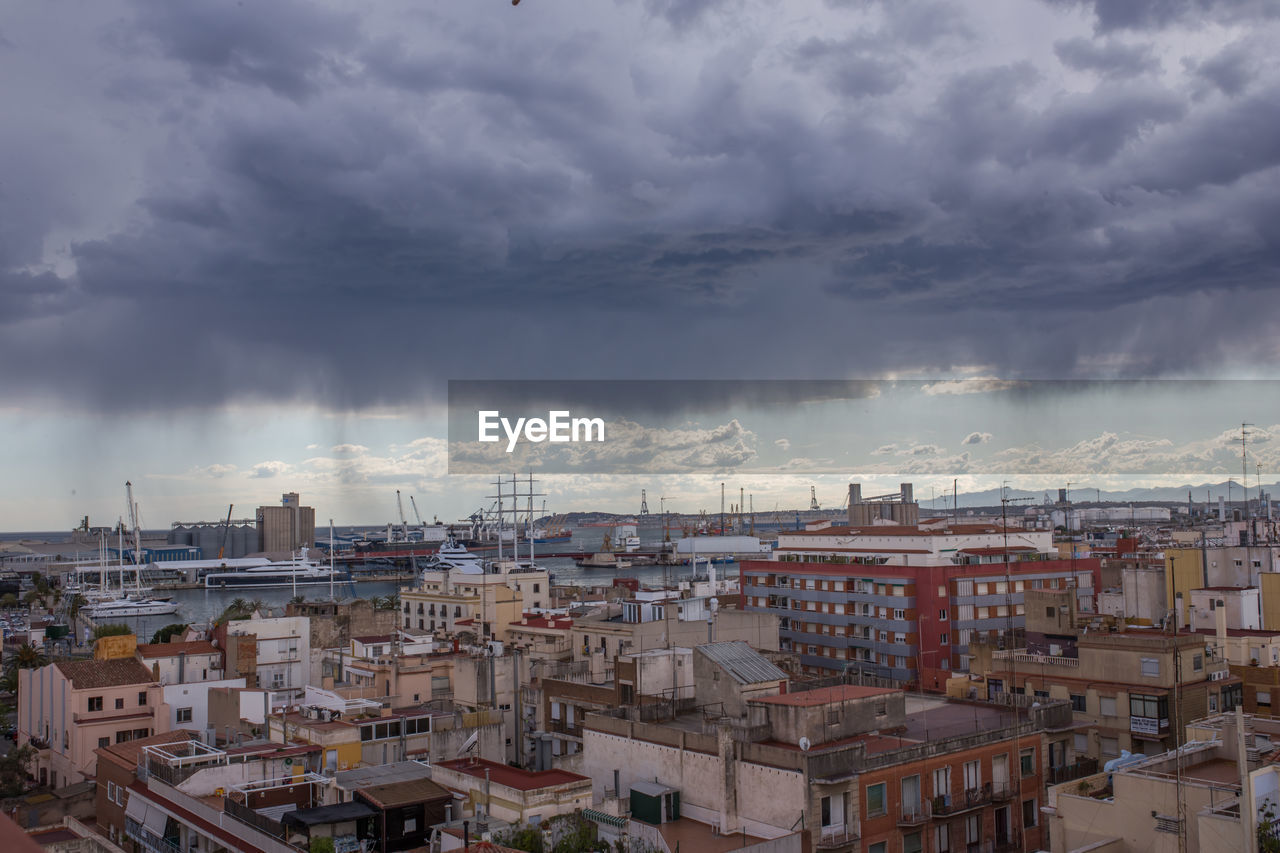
[(179, 536), (244, 540), (207, 538)]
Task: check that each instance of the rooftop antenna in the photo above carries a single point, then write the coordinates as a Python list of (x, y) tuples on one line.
[(644, 503), (813, 498), (1244, 469)]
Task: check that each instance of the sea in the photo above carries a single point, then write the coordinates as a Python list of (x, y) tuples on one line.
[(201, 605)]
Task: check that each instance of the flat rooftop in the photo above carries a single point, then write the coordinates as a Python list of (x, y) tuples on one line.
[(934, 717), (826, 695), (687, 834), (512, 777)]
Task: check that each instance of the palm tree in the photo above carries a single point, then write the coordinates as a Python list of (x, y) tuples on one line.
[(238, 605), (73, 606)]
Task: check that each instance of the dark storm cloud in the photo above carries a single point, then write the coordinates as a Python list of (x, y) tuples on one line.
[(1155, 14), (286, 46), (1231, 70), (1109, 58), (373, 204)]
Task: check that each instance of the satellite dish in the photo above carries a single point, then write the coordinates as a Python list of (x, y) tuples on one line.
[(469, 744), (804, 744)]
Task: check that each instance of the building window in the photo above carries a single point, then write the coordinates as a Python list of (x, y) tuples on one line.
[(1107, 706), (899, 614), (943, 639), (875, 800), (1079, 702), (973, 829), (1197, 663), (911, 843), (1263, 698), (1029, 811), (942, 616), (1109, 745), (184, 715), (104, 741), (1149, 707), (1081, 743), (941, 839), (119, 704), (1150, 667), (142, 697), (95, 703), (1027, 760), (878, 847)]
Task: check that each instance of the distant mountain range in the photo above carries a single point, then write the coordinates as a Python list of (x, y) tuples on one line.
[(1084, 495)]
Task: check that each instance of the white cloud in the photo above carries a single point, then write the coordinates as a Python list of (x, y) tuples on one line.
[(977, 438), (784, 443), (265, 470)]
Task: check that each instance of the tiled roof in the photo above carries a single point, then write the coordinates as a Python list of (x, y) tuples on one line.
[(127, 753), (408, 792), (116, 672), (745, 664)]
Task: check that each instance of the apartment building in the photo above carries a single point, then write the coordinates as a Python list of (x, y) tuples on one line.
[(1129, 689), (484, 606), (68, 709), (1183, 800), (658, 621), (862, 768), (273, 653), (910, 623)]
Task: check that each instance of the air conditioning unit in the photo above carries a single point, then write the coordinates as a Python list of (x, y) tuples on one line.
[(1219, 675)]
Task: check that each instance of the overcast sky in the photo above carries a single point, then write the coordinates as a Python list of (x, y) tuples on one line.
[(229, 231)]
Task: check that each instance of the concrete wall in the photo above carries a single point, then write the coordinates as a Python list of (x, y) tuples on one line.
[(833, 721), (714, 685), (194, 696), (713, 787)]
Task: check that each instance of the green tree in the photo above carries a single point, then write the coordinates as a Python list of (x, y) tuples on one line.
[(9, 601), (1268, 830), (110, 630), (14, 771), (27, 656), (73, 606), (168, 632), (527, 838)]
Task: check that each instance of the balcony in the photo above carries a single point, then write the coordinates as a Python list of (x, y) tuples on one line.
[(1023, 657), (108, 714), (1148, 726), (1007, 843), (967, 800), (837, 838), (914, 814), (1001, 792), (1070, 772)]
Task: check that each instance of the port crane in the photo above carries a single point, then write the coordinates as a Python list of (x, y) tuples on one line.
[(404, 525), (416, 514), (226, 528)]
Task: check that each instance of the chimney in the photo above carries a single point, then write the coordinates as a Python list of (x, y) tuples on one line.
[(1220, 618)]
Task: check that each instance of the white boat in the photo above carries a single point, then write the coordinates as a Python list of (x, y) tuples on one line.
[(455, 557), (287, 573), (107, 603), (129, 605)]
